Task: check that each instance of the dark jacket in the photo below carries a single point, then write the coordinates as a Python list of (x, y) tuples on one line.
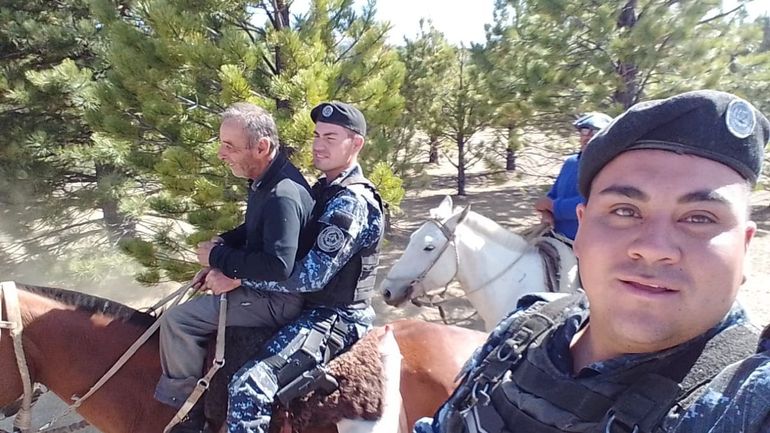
[(265, 246)]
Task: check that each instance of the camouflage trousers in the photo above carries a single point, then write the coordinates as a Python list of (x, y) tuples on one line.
[(253, 388)]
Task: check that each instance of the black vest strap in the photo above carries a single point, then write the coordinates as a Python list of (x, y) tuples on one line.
[(645, 403), (519, 335), (353, 285), (567, 394), (653, 388)]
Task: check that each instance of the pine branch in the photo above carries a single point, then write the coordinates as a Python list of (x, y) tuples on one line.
[(62, 229), (724, 14)]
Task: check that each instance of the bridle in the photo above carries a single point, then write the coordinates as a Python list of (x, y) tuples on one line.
[(15, 326), (449, 235), (23, 419)]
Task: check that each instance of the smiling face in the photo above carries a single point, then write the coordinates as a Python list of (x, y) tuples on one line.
[(246, 158), (661, 243), (335, 148)]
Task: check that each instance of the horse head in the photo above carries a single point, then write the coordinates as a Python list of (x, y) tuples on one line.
[(493, 265), (429, 260)]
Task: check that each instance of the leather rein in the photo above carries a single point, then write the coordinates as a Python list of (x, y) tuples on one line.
[(23, 420)]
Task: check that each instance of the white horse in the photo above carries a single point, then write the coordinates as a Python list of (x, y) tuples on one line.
[(494, 266)]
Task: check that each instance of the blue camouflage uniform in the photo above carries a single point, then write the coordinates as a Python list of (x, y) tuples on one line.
[(736, 400), (764, 340), (250, 405)]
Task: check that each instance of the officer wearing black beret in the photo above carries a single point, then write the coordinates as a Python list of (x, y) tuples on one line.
[(706, 123), (342, 114), (663, 236)]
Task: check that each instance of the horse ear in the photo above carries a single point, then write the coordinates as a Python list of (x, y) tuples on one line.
[(444, 209), (457, 219), (464, 213)]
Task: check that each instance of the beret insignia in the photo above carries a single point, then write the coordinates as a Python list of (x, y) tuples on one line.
[(740, 119)]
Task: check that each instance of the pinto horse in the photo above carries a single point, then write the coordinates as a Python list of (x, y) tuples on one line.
[(71, 339), (494, 266)]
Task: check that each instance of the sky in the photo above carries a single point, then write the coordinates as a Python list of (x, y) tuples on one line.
[(455, 18), (462, 20)]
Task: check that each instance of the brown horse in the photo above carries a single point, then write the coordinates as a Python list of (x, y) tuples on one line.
[(72, 339)]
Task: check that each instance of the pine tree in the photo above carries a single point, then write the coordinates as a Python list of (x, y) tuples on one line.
[(466, 110), (429, 59), (176, 64), (613, 54), (749, 64), (548, 61), (58, 182)]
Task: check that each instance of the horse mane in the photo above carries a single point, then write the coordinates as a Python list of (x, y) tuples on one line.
[(495, 232), (92, 304)]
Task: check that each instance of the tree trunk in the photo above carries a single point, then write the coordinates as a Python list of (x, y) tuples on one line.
[(460, 164), (628, 92), (281, 22), (433, 152), (510, 159), (118, 226), (510, 151)]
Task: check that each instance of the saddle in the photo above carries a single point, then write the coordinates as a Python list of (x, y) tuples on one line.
[(359, 374)]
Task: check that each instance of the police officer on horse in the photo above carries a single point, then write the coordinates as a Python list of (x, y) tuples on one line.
[(335, 277), (657, 343)]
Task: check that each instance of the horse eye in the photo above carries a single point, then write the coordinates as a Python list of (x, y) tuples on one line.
[(429, 248)]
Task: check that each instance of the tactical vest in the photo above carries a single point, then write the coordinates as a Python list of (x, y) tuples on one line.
[(353, 285), (516, 386)]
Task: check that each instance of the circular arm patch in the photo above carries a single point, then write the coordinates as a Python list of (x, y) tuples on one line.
[(330, 239)]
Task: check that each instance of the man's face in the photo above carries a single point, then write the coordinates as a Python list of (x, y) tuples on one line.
[(334, 148), (585, 135), (661, 244), (244, 161)]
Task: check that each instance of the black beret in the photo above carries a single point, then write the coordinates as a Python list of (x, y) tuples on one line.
[(340, 113), (706, 123)]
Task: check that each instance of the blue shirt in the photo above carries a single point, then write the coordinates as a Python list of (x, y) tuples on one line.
[(737, 400), (565, 197), (326, 258)]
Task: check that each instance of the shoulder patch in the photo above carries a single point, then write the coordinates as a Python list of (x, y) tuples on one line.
[(341, 219), (343, 203), (331, 239)]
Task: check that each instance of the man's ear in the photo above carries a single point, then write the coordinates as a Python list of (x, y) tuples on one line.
[(751, 230), (263, 146), (580, 210), (358, 142)]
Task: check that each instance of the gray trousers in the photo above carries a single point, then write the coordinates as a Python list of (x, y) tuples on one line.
[(186, 329)]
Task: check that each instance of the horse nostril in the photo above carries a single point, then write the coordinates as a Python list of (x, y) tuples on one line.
[(386, 294)]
